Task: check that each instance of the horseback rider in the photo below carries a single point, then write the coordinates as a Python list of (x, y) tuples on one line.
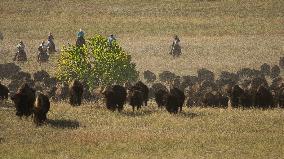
[(176, 40), (80, 38), (175, 47), (42, 55), (110, 39), (21, 46), (50, 44), (21, 54)]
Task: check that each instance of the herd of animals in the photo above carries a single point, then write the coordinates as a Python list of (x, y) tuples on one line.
[(247, 88)]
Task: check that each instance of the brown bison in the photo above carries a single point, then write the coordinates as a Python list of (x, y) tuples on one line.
[(187, 81), (4, 92), (155, 88), (217, 99), (227, 78), (149, 76), (265, 69), (160, 97), (248, 73), (41, 75), (263, 98), (167, 76), (9, 69), (24, 100), (135, 98), (41, 108), (115, 97), (172, 103), (246, 99), (75, 93), (180, 96), (210, 99), (205, 75), (194, 95), (144, 89), (236, 93), (173, 100), (275, 71), (223, 100), (21, 75)]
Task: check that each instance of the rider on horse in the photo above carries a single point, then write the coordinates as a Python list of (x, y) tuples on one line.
[(50, 44), (110, 39), (175, 48), (21, 54), (42, 55), (80, 38)]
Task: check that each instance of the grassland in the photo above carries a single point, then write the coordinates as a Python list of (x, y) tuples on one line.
[(90, 131), (219, 35), (216, 34)]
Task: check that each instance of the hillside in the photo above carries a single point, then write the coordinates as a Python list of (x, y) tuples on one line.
[(220, 35)]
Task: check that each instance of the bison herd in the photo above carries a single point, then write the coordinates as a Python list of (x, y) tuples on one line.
[(247, 88)]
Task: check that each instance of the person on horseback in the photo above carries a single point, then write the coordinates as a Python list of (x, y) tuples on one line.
[(175, 47), (50, 44), (80, 38), (20, 54), (110, 39), (42, 54), (50, 36)]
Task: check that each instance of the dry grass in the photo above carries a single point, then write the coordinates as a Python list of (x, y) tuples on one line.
[(219, 35), (216, 34), (90, 131)]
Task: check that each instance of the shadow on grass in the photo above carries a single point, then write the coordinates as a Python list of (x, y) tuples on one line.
[(63, 123), (137, 113)]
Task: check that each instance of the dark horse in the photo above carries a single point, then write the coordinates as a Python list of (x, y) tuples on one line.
[(20, 56), (80, 41), (176, 50)]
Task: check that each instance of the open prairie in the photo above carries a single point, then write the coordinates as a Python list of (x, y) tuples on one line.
[(220, 35)]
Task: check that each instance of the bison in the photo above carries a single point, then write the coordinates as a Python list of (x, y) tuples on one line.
[(144, 89), (135, 98), (24, 100), (41, 108), (167, 76), (9, 69), (179, 95), (173, 100), (115, 97), (4, 92), (149, 76), (187, 81), (265, 69), (275, 71), (205, 75), (41, 75), (236, 93), (263, 98), (75, 93), (155, 88), (210, 99), (160, 97), (172, 103)]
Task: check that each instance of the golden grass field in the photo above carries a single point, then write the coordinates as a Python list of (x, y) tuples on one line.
[(220, 35)]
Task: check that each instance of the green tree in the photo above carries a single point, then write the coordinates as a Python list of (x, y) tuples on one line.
[(96, 63)]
